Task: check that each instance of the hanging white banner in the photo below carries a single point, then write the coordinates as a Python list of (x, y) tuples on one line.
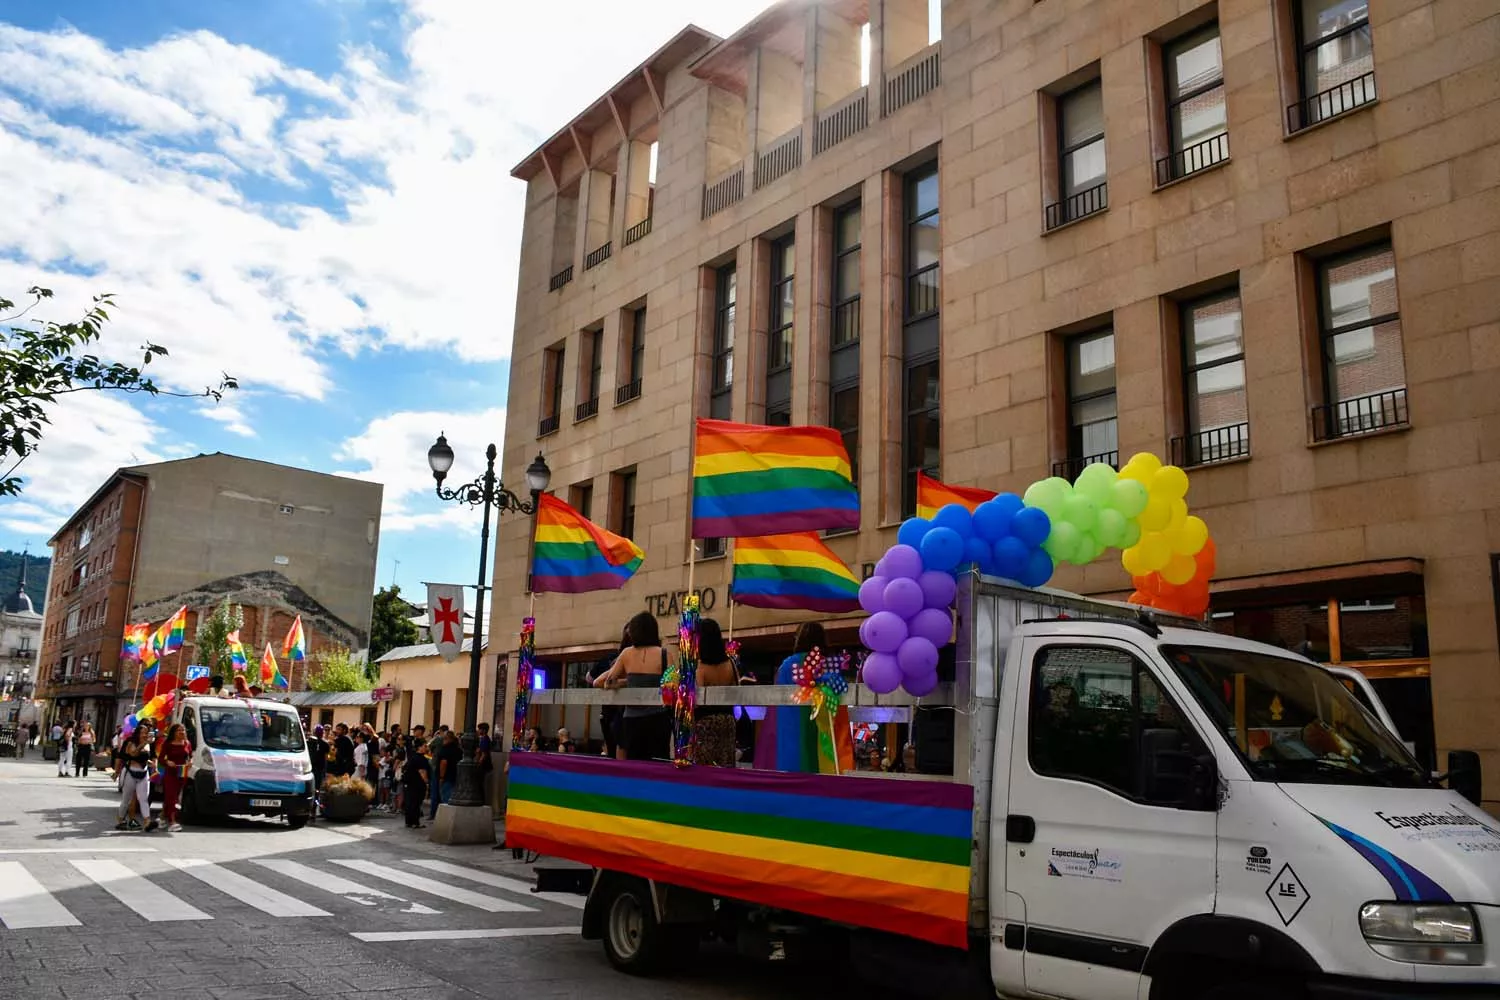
[(445, 618)]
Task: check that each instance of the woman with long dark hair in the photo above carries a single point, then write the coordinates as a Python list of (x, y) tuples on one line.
[(713, 725), (645, 730)]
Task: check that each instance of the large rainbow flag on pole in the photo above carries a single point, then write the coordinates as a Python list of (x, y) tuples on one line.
[(794, 572), (237, 653), (295, 646), (933, 496), (573, 555), (134, 642), (752, 480), (270, 673)]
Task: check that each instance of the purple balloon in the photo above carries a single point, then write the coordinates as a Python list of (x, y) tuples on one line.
[(917, 656), (901, 560), (933, 624), (882, 673), (937, 589), (923, 684), (903, 597), (870, 594), (1031, 525), (883, 632)]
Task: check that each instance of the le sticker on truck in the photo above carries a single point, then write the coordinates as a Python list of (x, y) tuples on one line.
[(1085, 862)]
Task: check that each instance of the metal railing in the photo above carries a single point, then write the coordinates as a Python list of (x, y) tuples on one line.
[(587, 408), (548, 425), (1079, 206), (779, 159), (1186, 162), (597, 256), (1069, 468), (918, 76), (1361, 415), (725, 191), (849, 117), (846, 321), (637, 231), (1331, 103), (560, 278), (625, 393), (1216, 444)]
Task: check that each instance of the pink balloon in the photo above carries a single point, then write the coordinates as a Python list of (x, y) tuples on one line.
[(882, 673), (922, 685), (933, 624)]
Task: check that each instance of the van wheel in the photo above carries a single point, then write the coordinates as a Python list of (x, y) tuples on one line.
[(632, 936), (297, 822)]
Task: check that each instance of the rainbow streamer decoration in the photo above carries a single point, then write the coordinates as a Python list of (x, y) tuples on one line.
[(888, 855), (237, 653), (933, 496), (679, 682), (270, 673), (752, 480), (573, 555), (525, 664), (134, 641), (795, 572), (295, 646)]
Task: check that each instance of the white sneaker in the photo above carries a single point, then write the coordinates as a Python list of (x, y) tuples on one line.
[(175, 828)]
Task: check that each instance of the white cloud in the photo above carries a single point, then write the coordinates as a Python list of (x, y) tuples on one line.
[(231, 414)]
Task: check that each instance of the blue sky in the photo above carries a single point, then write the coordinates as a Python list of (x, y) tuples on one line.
[(312, 195)]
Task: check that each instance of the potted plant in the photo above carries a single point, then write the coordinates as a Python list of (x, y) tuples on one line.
[(347, 798)]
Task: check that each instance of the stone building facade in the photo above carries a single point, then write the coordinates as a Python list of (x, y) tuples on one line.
[(1257, 237)]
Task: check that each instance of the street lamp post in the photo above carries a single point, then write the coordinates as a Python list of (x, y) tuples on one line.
[(482, 492)]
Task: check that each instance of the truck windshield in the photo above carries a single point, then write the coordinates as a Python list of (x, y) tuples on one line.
[(1291, 721), (240, 727)]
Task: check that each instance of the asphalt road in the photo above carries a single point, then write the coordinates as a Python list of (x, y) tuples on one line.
[(252, 909)]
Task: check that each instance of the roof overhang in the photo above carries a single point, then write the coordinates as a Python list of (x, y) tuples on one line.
[(781, 28), (117, 476)]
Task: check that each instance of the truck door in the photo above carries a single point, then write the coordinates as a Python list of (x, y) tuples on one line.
[(1107, 844)]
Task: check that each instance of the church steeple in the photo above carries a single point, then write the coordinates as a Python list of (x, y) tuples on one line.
[(20, 601)]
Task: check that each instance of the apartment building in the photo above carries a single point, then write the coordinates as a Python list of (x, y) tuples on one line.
[(278, 541), (1260, 238)]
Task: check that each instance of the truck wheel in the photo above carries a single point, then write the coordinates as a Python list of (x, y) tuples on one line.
[(632, 937), (297, 822)]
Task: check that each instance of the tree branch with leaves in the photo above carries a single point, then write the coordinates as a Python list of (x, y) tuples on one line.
[(40, 360)]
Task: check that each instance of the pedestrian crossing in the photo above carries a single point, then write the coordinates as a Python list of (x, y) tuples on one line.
[(50, 892)]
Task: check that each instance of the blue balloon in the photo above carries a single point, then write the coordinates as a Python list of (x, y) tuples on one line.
[(942, 550), (1031, 525), (1038, 569), (956, 517), (1008, 502), (1011, 555), (991, 521), (912, 530), (976, 553)]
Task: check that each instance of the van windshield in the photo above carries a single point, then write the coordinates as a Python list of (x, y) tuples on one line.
[(240, 727), (1293, 722)]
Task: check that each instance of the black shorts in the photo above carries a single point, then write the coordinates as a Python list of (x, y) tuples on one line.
[(647, 737)]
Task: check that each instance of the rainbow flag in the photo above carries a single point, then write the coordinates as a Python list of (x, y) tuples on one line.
[(573, 555), (751, 480), (795, 572), (270, 673), (135, 641), (933, 496), (889, 855), (168, 639), (295, 645), (237, 653)]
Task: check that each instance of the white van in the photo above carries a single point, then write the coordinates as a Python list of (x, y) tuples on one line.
[(249, 759)]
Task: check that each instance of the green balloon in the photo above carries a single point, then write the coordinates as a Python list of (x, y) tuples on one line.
[(1048, 495), (1110, 528), (1129, 497), (1096, 482), (1062, 542), (1079, 511), (1132, 535)]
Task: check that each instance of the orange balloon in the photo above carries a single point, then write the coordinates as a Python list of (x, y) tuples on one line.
[(1207, 558), (1137, 597)]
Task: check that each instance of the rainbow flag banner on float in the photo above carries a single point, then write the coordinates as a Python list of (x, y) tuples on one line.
[(573, 555), (933, 496), (793, 572), (754, 480), (889, 855)]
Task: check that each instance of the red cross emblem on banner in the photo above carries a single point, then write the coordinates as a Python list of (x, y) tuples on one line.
[(447, 617)]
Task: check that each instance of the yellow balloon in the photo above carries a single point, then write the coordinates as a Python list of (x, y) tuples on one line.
[(1155, 551), (1133, 561), (1170, 482), (1179, 569), (1146, 462), (1156, 516), (1179, 513), (1192, 535)]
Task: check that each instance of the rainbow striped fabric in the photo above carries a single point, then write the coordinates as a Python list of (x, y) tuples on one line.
[(795, 572), (237, 652), (890, 855), (295, 646), (752, 480), (270, 673), (933, 496), (168, 639), (573, 555), (134, 641)]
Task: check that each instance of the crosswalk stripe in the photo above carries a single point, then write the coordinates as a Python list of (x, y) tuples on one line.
[(338, 885), (246, 890), (24, 903), (464, 934), (477, 900), (497, 881), (148, 899)]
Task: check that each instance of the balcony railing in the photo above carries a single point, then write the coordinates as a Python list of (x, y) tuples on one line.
[(637, 231), (548, 425), (587, 408), (597, 256), (1363, 415), (846, 321), (918, 76), (1331, 103), (1069, 468), (560, 278), (625, 393), (1080, 206), (849, 117), (1216, 444), (725, 191), (1186, 162), (779, 159)]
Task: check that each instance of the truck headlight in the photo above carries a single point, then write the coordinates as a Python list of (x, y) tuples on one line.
[(1426, 933)]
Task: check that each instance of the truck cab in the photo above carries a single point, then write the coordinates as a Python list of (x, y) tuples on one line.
[(249, 759)]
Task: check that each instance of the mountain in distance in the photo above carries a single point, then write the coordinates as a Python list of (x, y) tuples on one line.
[(37, 568)]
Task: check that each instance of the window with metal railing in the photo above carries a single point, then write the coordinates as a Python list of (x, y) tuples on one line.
[(634, 359), (721, 378), (1216, 414), (598, 256), (552, 389), (1082, 190), (783, 292), (1197, 126), (1093, 421), (843, 353), (924, 248), (637, 232), (1335, 60), (1359, 334)]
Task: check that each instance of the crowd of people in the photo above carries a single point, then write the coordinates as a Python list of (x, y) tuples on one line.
[(408, 772)]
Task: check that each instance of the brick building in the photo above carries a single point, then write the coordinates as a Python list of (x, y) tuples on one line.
[(1259, 237), (277, 541)]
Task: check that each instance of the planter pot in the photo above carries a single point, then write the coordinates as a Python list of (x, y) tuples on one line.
[(344, 808)]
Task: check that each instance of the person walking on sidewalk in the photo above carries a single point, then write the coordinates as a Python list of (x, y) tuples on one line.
[(175, 754), (65, 749), (135, 783), (83, 753), (414, 774)]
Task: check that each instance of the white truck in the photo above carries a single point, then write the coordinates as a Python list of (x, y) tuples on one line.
[(1160, 813), (249, 759)]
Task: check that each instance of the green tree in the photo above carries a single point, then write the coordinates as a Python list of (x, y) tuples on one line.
[(389, 625), (213, 637), (39, 361), (337, 669)]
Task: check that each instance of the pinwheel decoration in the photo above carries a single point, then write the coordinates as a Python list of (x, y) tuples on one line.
[(821, 685)]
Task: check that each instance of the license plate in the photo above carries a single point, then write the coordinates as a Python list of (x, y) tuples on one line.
[(265, 803)]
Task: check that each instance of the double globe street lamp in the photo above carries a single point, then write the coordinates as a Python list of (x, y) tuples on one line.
[(486, 491)]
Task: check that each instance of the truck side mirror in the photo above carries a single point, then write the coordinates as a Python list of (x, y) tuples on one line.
[(1465, 776)]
